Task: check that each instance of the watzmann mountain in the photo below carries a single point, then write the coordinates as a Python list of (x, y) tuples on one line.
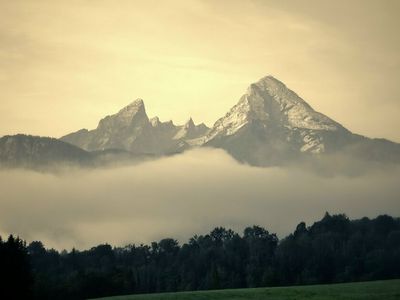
[(270, 125), (130, 129)]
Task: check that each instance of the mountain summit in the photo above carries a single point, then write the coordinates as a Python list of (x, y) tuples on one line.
[(270, 125), (130, 129), (270, 103), (133, 111)]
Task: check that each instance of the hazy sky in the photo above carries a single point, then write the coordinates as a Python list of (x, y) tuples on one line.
[(66, 64), (181, 196)]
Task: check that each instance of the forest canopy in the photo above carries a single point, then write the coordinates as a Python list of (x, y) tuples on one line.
[(334, 249)]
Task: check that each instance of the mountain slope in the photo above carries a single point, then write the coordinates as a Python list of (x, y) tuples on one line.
[(31, 151), (25, 151), (272, 125), (131, 129)]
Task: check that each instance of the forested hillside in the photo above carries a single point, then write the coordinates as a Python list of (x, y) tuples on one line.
[(334, 249)]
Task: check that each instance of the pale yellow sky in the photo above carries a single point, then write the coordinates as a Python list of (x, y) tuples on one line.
[(66, 64)]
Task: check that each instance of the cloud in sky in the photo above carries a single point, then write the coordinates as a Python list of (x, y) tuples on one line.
[(181, 196)]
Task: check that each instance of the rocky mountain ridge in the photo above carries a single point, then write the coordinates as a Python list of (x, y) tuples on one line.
[(270, 125)]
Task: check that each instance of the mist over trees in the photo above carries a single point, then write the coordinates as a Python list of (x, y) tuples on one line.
[(334, 249)]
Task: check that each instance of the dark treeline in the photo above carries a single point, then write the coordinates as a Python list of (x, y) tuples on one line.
[(334, 249)]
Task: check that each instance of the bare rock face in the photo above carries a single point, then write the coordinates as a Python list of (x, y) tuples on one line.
[(31, 151), (270, 125), (130, 129)]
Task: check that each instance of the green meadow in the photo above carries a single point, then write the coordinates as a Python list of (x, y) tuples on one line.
[(379, 290)]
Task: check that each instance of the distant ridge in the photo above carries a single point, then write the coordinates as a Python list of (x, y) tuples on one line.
[(131, 129), (270, 125), (34, 152), (31, 151)]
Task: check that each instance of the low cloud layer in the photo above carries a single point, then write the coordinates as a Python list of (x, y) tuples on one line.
[(181, 196)]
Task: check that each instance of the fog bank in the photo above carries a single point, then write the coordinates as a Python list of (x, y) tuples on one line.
[(181, 196)]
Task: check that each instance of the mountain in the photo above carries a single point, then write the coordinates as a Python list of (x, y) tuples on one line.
[(131, 129), (26, 151), (271, 113), (270, 125), (30, 151)]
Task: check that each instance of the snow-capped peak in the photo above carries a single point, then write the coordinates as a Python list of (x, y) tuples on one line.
[(270, 99), (134, 108), (136, 103), (133, 114), (268, 113), (272, 107)]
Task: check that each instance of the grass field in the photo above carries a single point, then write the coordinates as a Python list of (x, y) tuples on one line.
[(382, 290)]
